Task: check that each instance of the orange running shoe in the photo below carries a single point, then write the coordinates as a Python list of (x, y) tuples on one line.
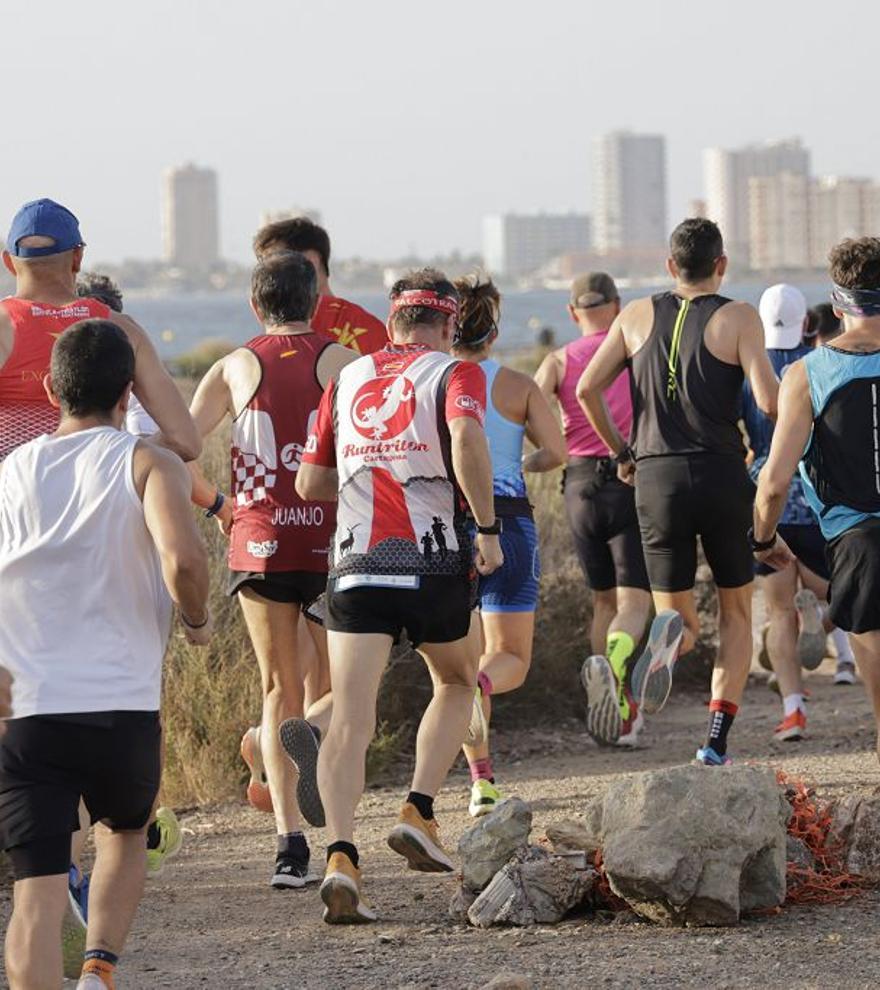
[(258, 787), (792, 727), (344, 904), (418, 841)]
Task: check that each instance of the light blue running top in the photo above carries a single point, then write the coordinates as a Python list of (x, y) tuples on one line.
[(505, 442), (852, 440)]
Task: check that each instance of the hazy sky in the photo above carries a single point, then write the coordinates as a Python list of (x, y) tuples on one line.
[(406, 122)]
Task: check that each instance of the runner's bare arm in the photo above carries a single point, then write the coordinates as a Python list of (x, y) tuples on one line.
[(165, 486), (210, 404), (317, 477), (756, 365), (608, 363), (472, 466), (332, 360), (790, 439), (548, 376), (316, 483), (159, 395), (542, 429)]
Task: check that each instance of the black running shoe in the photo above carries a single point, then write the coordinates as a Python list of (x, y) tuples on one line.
[(292, 871), (301, 745)]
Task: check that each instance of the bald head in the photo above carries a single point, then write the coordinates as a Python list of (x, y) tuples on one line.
[(61, 266)]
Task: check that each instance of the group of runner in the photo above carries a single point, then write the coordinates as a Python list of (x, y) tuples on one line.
[(378, 494)]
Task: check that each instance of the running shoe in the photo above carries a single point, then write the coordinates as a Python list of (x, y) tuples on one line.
[(845, 673), (709, 758), (812, 638), (170, 841), (478, 729), (344, 904), (484, 796), (764, 653), (75, 923), (91, 981), (292, 872), (652, 674), (604, 723), (301, 744), (792, 727), (418, 841), (631, 726), (258, 787)]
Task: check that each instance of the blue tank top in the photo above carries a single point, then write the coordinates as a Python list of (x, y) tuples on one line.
[(505, 442), (797, 511), (841, 466)]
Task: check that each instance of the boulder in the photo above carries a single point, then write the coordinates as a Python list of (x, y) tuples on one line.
[(534, 888), (579, 833), (863, 838), (486, 846), (696, 846), (798, 853)]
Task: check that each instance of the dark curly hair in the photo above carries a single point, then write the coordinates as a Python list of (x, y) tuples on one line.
[(695, 246), (91, 285), (855, 263), (412, 316), (478, 311)]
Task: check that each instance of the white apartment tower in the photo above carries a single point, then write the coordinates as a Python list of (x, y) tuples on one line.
[(190, 217), (629, 188), (517, 244), (779, 221)]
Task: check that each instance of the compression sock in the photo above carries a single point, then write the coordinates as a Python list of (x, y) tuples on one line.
[(154, 836), (423, 804), (101, 963), (792, 703), (484, 683), (293, 844), (619, 647), (481, 769), (346, 848), (721, 716), (842, 646)]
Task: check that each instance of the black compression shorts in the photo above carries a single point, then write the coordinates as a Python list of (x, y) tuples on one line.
[(112, 760), (601, 512), (854, 595), (807, 544), (438, 611), (680, 497), (286, 587)]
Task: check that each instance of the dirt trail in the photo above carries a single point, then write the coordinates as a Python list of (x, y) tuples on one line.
[(212, 921)]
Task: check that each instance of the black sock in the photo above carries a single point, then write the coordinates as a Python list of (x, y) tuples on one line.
[(101, 954), (343, 847), (721, 716), (424, 804), (292, 844), (154, 836), (316, 732)]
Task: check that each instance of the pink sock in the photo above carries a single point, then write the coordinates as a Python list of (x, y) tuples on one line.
[(484, 683), (481, 769)]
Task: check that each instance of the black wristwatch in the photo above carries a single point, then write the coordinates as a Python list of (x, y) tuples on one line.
[(759, 546), (493, 530), (626, 455), (217, 506)]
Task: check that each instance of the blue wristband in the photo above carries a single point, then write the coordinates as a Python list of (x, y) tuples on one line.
[(217, 506)]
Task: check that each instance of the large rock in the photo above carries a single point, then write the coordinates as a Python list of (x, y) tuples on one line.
[(579, 833), (534, 888), (485, 847), (857, 824), (696, 846)]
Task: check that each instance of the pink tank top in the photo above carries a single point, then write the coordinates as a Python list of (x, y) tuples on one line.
[(580, 436)]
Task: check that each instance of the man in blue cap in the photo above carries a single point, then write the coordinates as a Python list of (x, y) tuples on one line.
[(44, 251)]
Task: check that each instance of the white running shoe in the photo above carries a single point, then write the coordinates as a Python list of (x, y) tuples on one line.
[(812, 638), (845, 673), (604, 723), (652, 675), (91, 981)]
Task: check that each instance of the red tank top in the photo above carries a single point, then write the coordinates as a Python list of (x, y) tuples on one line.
[(25, 412), (273, 528), (351, 325)]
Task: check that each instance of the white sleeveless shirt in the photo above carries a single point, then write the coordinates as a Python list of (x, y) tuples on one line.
[(84, 612)]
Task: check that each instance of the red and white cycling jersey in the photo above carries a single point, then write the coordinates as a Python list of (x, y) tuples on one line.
[(383, 425)]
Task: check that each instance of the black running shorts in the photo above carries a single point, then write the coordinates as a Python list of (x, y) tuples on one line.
[(854, 595), (47, 762), (286, 587), (807, 544), (601, 512), (680, 497), (438, 611)]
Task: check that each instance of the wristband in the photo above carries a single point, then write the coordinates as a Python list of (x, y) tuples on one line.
[(493, 530), (626, 455), (759, 546), (217, 505), (195, 625)]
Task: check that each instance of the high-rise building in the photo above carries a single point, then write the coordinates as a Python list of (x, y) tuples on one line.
[(841, 207), (779, 221), (190, 217), (293, 213), (516, 244), (727, 173), (629, 189)]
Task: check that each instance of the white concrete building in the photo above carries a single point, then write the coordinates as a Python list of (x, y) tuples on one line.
[(190, 217), (519, 244)]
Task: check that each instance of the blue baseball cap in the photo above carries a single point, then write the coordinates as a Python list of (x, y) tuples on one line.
[(43, 218)]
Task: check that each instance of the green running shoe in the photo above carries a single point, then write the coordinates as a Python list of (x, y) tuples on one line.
[(170, 841), (484, 796)]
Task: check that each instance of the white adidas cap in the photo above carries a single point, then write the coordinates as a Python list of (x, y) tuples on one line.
[(783, 309)]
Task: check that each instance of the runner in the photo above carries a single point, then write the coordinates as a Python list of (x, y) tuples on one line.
[(349, 323), (85, 712), (271, 388), (783, 311), (400, 440), (828, 406), (823, 324), (44, 250), (508, 597), (602, 515), (688, 350)]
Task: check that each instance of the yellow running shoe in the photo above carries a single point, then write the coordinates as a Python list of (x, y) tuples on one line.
[(484, 796), (344, 904), (170, 841), (418, 841)]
